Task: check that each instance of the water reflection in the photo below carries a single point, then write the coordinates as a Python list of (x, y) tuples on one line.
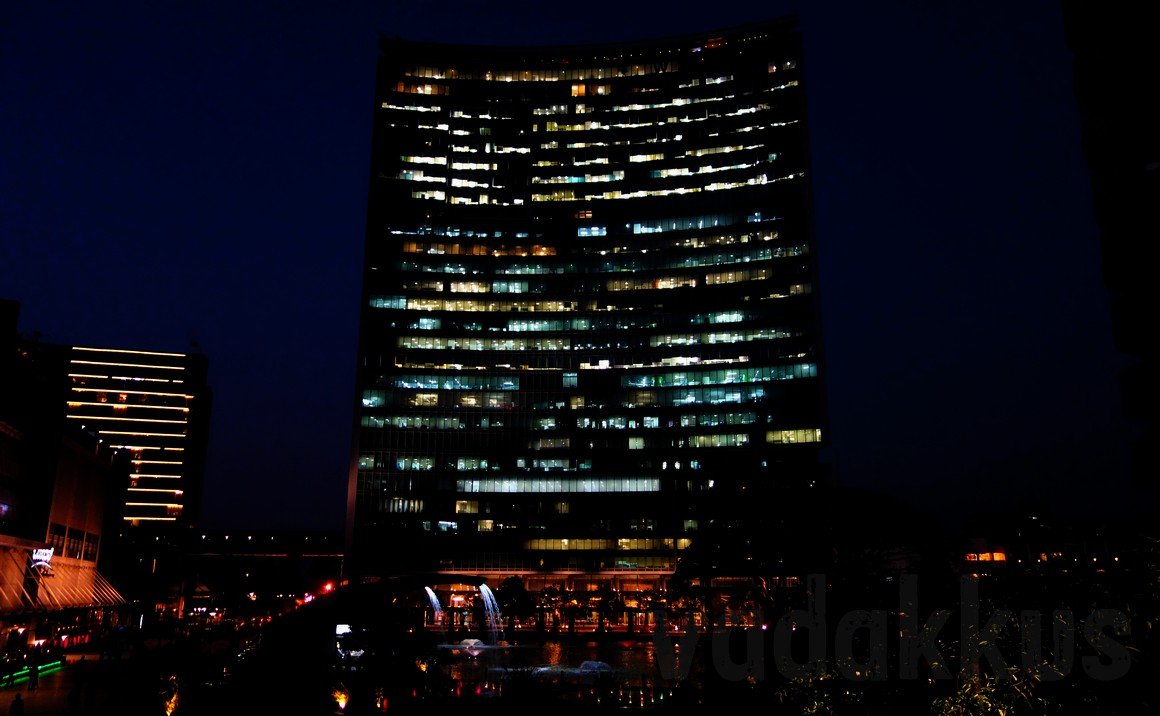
[(596, 674)]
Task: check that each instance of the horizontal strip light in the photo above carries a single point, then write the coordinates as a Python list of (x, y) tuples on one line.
[(129, 420), (132, 392), (143, 435), (145, 447), (125, 406), (23, 674), (128, 365), (128, 352), (126, 377)]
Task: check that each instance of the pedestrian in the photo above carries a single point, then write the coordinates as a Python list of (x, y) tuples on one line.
[(34, 676), (17, 707)]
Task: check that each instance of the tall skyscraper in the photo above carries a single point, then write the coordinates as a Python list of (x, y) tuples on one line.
[(155, 406), (1115, 54), (589, 330)]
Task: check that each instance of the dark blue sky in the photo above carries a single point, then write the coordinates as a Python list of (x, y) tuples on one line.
[(198, 172)]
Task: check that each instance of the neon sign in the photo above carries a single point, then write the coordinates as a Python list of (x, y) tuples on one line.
[(42, 560)]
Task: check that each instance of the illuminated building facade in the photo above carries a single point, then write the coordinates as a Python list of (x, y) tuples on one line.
[(55, 482), (155, 406), (589, 332)]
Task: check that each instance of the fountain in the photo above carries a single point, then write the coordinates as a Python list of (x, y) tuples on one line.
[(435, 607), (491, 613), (493, 624)]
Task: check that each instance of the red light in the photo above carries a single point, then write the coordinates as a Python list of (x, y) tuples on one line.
[(328, 587)]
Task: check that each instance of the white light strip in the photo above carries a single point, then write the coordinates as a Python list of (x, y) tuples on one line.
[(126, 406), (152, 504), (155, 519), (139, 353), (156, 489), (128, 420), (127, 365), (125, 377), (156, 475), (145, 447), (143, 435), (130, 392)]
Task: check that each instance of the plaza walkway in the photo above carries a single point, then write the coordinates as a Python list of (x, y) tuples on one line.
[(88, 685)]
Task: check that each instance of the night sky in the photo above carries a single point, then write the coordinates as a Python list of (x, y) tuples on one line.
[(196, 173)]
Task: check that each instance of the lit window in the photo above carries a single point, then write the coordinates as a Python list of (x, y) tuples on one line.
[(811, 435)]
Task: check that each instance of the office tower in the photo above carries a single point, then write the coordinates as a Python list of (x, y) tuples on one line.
[(589, 335), (1115, 55), (155, 406)]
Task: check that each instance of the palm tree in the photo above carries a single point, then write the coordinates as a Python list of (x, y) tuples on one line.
[(514, 600)]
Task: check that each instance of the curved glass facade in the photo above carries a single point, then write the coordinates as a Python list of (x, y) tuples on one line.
[(589, 326)]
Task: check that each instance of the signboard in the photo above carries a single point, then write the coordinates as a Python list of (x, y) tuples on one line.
[(42, 561)]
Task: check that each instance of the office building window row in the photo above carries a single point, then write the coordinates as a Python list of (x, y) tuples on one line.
[(73, 543), (718, 440), (560, 75), (623, 264), (403, 505), (558, 485), (693, 339), (810, 435), (405, 422), (565, 344), (457, 381), (754, 374), (627, 543)]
